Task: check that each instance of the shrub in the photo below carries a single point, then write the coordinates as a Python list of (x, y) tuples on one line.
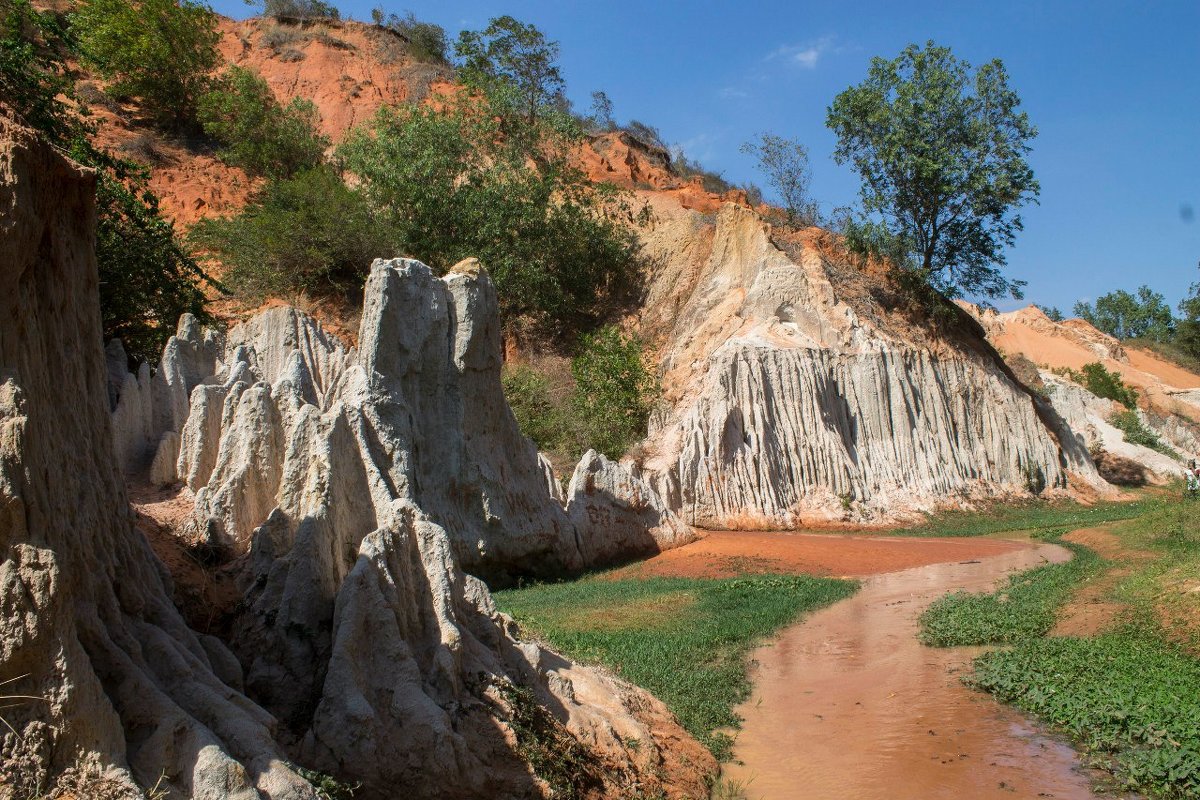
[(256, 132), (614, 391), (299, 9), (1136, 432), (450, 186), (426, 41), (1101, 382), (685, 167), (310, 233), (160, 51)]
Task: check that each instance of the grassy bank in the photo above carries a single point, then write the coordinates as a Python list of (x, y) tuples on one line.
[(1025, 608), (685, 640), (1129, 696), (1035, 516)]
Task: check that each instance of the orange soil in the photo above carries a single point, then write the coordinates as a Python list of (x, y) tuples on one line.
[(721, 554)]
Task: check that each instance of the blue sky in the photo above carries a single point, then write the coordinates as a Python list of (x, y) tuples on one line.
[(1114, 89)]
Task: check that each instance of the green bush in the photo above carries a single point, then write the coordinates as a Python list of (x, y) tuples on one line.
[(159, 51), (426, 41), (614, 391), (1130, 424), (451, 185), (256, 132), (299, 9), (310, 233), (1101, 382)]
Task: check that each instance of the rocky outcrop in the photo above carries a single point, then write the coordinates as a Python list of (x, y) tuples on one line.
[(796, 395), (617, 515), (127, 692), (367, 653)]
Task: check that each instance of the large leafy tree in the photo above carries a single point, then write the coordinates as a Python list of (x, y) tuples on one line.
[(146, 279), (1130, 316), (159, 51), (451, 184), (941, 149), (514, 64)]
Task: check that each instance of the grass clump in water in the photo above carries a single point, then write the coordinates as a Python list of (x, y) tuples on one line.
[(683, 639), (1023, 609)]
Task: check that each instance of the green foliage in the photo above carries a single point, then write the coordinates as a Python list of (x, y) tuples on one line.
[(543, 415), (1187, 331), (941, 152), (33, 70), (1023, 609), (686, 167), (160, 51), (1126, 316), (1034, 515), (310, 233), (601, 118), (784, 162), (256, 132), (299, 9), (450, 185), (1051, 311), (1105, 383), (551, 751), (685, 640), (614, 391), (1136, 432), (426, 41), (1123, 694), (514, 65), (327, 787), (146, 279)]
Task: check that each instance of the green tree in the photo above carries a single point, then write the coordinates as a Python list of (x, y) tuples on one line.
[(1128, 316), (159, 51), (310, 233), (614, 391), (1187, 333), (451, 185), (146, 278), (513, 64), (1051, 312), (601, 118), (941, 152), (784, 162), (255, 131)]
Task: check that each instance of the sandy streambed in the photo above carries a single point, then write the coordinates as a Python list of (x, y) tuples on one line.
[(848, 704)]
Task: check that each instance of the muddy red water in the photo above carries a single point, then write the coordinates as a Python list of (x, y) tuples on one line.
[(848, 704)]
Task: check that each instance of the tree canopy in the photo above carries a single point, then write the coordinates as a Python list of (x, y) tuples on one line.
[(514, 64), (146, 279), (159, 51), (1128, 316), (941, 149), (785, 164)]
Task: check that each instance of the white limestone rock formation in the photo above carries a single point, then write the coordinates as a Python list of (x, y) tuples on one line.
[(367, 653), (1089, 417), (796, 396), (86, 619), (619, 516)]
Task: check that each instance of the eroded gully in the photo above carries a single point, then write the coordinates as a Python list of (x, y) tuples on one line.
[(848, 704)]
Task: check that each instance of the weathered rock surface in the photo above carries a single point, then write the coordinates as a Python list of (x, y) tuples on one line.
[(795, 396), (86, 620), (366, 651), (618, 515)]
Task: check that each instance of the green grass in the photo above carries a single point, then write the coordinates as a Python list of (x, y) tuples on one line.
[(1124, 696), (1037, 515), (1025, 608), (684, 640)]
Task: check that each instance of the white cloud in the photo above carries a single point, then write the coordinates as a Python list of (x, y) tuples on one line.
[(806, 55), (733, 93)]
